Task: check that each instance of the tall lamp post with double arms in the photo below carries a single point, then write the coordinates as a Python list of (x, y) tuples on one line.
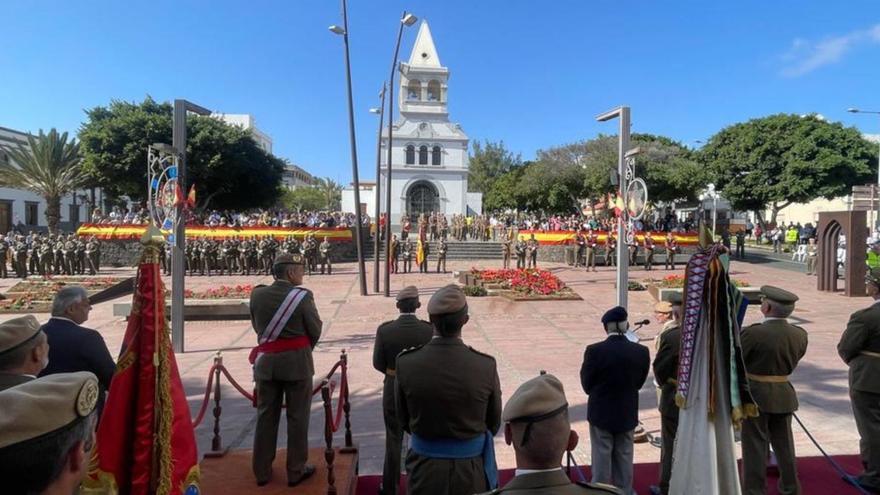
[(406, 20)]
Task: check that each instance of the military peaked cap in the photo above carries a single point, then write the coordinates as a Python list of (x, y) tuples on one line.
[(616, 313), (447, 300), (288, 259), (38, 407), (408, 292), (781, 296)]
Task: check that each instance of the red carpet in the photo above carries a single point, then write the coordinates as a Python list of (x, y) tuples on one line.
[(816, 475)]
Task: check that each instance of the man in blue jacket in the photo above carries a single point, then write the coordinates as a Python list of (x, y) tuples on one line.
[(612, 373)]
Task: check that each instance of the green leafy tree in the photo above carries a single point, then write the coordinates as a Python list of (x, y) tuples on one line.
[(48, 165), (487, 162), (226, 164), (774, 161), (505, 192), (303, 198)]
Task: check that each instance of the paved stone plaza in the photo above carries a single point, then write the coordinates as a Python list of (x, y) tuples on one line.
[(525, 337)]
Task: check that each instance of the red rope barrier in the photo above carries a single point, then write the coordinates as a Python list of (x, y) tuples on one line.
[(343, 389)]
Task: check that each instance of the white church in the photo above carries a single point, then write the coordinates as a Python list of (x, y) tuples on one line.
[(429, 156)]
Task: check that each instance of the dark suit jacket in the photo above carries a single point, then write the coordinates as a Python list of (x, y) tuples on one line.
[(612, 373), (76, 348), (446, 389), (292, 365), (394, 336), (862, 334)]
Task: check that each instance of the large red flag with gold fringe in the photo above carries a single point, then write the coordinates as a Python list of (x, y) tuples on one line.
[(145, 442)]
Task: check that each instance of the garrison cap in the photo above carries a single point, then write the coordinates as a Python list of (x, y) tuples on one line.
[(663, 307), (616, 313), (38, 407), (408, 292), (447, 300), (17, 332), (781, 296), (873, 276), (536, 399), (288, 259)]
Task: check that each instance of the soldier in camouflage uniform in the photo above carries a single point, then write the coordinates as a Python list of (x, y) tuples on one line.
[(21, 249), (46, 257), (324, 251), (308, 251), (58, 254), (93, 250), (70, 255), (4, 254), (407, 255), (209, 255), (441, 256), (33, 254)]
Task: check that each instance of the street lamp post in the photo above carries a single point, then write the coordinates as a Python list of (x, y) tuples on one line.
[(623, 114), (875, 112), (178, 143), (377, 192), (405, 20), (358, 227), (713, 195)]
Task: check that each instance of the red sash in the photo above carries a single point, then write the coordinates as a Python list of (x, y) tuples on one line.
[(280, 345)]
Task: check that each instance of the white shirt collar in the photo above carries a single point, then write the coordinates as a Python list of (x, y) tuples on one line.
[(773, 318), (63, 318), (520, 472), (408, 314)]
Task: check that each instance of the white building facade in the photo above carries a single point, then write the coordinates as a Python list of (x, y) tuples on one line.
[(25, 211), (248, 122), (429, 154)]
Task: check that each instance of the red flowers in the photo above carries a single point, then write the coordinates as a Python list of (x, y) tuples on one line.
[(526, 281), (222, 292)]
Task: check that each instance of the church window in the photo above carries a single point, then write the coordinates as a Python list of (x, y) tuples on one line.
[(414, 91), (423, 155), (434, 91), (410, 155), (435, 155)]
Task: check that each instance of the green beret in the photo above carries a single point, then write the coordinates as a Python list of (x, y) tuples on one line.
[(17, 332), (447, 300), (408, 292), (41, 406), (288, 259), (781, 296), (535, 399)]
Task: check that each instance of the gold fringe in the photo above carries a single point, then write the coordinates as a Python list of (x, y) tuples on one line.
[(192, 479), (126, 361), (166, 414), (741, 413), (98, 483)]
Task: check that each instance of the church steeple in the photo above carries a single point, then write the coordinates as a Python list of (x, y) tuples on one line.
[(423, 80), (424, 53)]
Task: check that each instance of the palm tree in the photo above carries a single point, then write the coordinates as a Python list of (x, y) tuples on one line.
[(47, 165), (332, 192)]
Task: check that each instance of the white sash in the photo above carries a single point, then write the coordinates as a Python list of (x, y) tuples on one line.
[(282, 315)]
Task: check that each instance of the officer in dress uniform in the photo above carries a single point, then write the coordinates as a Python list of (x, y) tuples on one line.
[(859, 347), (666, 347), (580, 247), (771, 351), (506, 249), (610, 249), (47, 433), (395, 254), (649, 251), (451, 448), (536, 423), (633, 248), (24, 351), (392, 337), (671, 248), (288, 326), (441, 256), (407, 255), (324, 251), (592, 242), (520, 253), (532, 251)]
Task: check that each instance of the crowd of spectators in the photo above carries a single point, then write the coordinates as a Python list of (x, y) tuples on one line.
[(574, 222), (229, 218)]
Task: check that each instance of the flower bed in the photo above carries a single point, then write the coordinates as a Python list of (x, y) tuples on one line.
[(523, 284), (221, 292), (91, 284), (677, 282), (24, 304)]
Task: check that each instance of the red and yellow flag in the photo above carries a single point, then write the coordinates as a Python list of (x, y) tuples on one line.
[(420, 252), (191, 197), (145, 442)]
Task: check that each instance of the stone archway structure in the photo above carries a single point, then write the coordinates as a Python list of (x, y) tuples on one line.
[(831, 225)]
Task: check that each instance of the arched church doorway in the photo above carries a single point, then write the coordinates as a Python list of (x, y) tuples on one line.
[(422, 197)]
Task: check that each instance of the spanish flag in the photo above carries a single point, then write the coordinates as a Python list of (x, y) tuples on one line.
[(145, 441), (420, 253), (191, 197)]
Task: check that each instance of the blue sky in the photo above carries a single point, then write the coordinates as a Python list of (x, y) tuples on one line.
[(531, 73)]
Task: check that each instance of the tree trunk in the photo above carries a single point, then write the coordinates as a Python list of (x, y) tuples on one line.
[(53, 212)]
